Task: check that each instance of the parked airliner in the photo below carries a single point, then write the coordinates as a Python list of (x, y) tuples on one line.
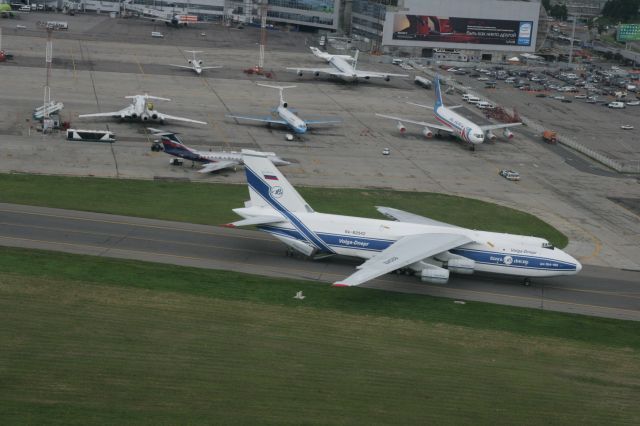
[(212, 160), (429, 248), (195, 64), (453, 123), (344, 67), (285, 116), (140, 109)]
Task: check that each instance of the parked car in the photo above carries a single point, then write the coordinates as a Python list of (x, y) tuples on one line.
[(386, 151), (626, 127), (509, 174)]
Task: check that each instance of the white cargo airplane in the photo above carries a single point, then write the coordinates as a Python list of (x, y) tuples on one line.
[(344, 67), (195, 64), (142, 110), (453, 123), (414, 243), (284, 116), (212, 161)]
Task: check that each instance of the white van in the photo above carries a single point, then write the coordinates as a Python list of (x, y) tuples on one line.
[(25, 8), (616, 105), (473, 100), (484, 105)]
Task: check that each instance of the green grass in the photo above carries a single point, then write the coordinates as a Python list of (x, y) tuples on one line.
[(212, 203), (88, 340)]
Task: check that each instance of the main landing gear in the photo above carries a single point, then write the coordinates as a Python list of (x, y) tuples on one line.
[(527, 282)]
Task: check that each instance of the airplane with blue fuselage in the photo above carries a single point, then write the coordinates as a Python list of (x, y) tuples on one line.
[(285, 116), (426, 247), (453, 123)]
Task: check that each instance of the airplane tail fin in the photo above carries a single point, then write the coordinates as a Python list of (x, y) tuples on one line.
[(438, 92), (268, 187), (280, 88), (173, 145)]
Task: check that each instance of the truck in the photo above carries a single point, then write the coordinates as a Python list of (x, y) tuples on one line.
[(550, 136), (421, 81)]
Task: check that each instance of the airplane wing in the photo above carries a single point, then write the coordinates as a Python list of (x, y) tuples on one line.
[(330, 71), (498, 126), (124, 111), (174, 118), (265, 119), (402, 216), (217, 165), (181, 66), (418, 123), (210, 68), (405, 251), (365, 74), (318, 120)]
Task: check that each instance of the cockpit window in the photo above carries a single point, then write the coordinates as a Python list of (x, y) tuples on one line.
[(478, 135), (548, 246)]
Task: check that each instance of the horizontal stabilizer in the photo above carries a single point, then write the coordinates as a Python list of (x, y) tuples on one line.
[(256, 220)]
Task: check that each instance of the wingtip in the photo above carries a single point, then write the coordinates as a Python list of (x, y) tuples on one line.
[(340, 285), (228, 225)]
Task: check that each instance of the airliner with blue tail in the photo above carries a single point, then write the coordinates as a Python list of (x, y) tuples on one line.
[(212, 161), (285, 116), (426, 247), (453, 123)]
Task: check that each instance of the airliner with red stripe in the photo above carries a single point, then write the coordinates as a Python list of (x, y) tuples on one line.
[(453, 123)]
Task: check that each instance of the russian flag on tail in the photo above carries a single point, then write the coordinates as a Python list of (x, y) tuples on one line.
[(270, 177)]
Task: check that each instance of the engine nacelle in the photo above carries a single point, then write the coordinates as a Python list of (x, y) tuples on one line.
[(507, 133), (200, 62), (144, 117), (387, 78), (133, 115), (301, 247), (317, 73), (435, 275), (427, 133), (190, 62), (299, 73), (461, 266), (285, 104), (366, 77), (154, 116), (401, 128), (491, 136)]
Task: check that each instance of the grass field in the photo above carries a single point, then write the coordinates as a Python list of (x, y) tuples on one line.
[(212, 203), (89, 340)]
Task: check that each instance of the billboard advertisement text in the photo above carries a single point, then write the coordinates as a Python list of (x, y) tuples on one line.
[(462, 30), (628, 32)]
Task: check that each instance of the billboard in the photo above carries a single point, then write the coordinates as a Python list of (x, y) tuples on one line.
[(462, 30), (628, 32), (506, 25)]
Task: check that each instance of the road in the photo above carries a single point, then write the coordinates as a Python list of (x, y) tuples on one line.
[(598, 291)]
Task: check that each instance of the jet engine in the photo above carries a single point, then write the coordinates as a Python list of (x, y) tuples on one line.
[(491, 136), (317, 73), (144, 117), (200, 62), (154, 116), (401, 128), (299, 247), (507, 133), (134, 115), (299, 73), (427, 133), (387, 78), (434, 274), (461, 265), (190, 62), (285, 104)]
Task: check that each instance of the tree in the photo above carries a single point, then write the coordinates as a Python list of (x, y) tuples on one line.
[(547, 5), (559, 11), (621, 10)]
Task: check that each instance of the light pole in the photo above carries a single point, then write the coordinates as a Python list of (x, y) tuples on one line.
[(573, 34)]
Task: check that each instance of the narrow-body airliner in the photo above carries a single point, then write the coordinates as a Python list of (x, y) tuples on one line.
[(453, 123), (195, 64), (285, 116)]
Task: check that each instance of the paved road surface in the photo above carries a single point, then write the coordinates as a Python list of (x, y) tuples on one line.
[(595, 291)]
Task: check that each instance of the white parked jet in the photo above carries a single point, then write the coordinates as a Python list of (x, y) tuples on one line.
[(453, 123), (344, 67), (212, 161), (142, 110), (427, 247), (284, 116), (195, 64)]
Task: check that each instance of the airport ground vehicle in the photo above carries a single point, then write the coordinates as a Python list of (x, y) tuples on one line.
[(90, 135), (421, 81), (615, 105), (550, 136), (386, 151), (626, 127), (509, 174), (157, 34)]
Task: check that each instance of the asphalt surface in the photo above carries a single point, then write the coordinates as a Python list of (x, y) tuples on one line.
[(598, 291)]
